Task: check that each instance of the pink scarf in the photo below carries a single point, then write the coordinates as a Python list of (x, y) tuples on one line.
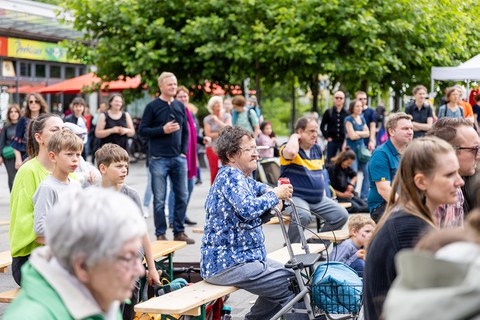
[(192, 146)]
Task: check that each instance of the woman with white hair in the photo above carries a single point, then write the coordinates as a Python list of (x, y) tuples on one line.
[(91, 261), (212, 123)]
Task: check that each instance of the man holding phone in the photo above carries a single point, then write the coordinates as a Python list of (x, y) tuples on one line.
[(164, 124)]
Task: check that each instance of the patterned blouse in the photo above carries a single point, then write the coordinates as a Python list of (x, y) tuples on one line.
[(233, 233)]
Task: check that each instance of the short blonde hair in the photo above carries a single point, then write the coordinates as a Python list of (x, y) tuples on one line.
[(110, 153), (164, 75), (213, 101), (359, 221), (65, 141), (393, 119)]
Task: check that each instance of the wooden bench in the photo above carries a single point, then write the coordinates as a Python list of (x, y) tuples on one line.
[(334, 236), (8, 296), (5, 261), (274, 220), (191, 299)]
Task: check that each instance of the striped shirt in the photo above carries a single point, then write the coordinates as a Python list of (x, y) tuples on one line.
[(305, 173)]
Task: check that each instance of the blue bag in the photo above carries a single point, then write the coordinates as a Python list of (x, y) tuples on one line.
[(337, 289)]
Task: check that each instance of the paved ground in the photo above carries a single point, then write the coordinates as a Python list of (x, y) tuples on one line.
[(240, 301)]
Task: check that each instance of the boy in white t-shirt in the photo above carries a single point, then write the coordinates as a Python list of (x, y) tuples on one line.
[(64, 150)]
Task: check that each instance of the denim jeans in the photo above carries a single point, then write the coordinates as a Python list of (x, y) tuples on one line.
[(147, 198), (171, 198), (176, 169), (333, 147)]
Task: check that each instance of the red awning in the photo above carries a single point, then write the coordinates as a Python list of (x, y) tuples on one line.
[(75, 85), (26, 89)]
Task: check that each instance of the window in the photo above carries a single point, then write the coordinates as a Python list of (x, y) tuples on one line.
[(25, 69), (40, 71), (55, 71), (69, 72)]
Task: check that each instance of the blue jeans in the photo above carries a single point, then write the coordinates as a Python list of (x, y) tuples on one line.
[(171, 198), (147, 198), (176, 168), (366, 181), (333, 147)]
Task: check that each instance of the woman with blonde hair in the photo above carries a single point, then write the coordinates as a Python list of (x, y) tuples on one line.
[(218, 119), (426, 178), (115, 125)]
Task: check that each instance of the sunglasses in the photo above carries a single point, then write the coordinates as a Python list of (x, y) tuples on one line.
[(339, 98)]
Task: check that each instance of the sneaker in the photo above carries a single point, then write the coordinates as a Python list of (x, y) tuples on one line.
[(181, 236), (170, 225), (145, 212), (198, 182), (162, 237), (189, 222)]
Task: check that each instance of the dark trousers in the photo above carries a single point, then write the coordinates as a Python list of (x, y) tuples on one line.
[(333, 147), (17, 263), (377, 212)]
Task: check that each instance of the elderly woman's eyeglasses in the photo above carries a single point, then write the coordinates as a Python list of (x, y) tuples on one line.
[(251, 150), (474, 149), (130, 260)]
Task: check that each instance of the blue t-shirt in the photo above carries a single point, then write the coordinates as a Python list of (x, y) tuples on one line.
[(370, 116), (382, 166), (354, 144)]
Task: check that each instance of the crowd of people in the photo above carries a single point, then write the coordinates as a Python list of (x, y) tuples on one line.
[(417, 171)]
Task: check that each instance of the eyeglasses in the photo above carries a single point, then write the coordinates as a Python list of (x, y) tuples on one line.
[(339, 98), (251, 150), (475, 149), (130, 261), (34, 101)]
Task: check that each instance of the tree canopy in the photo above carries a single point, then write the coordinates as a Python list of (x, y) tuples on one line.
[(360, 44)]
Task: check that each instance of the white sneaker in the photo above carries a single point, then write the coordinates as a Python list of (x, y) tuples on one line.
[(145, 212)]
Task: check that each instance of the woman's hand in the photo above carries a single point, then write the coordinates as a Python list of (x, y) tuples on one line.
[(284, 191), (18, 163)]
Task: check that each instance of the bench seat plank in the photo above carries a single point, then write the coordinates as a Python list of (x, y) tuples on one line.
[(8, 296), (5, 260), (188, 300), (333, 236)]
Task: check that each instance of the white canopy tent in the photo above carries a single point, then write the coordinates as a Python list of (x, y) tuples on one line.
[(467, 71)]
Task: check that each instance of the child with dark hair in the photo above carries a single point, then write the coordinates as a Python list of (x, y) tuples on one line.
[(343, 179)]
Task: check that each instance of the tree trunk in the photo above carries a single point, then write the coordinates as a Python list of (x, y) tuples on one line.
[(293, 115), (315, 91)]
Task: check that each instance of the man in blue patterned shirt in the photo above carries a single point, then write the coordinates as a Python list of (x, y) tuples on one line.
[(301, 161)]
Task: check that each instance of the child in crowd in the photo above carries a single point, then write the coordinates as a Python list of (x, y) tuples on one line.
[(351, 251), (86, 173), (266, 138), (64, 151), (112, 161), (343, 180)]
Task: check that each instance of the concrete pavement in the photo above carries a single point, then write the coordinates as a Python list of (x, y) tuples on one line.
[(240, 301)]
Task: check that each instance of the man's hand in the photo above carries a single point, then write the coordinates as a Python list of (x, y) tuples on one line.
[(207, 140), (170, 127)]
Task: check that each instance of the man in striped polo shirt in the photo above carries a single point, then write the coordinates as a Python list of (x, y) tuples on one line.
[(301, 161)]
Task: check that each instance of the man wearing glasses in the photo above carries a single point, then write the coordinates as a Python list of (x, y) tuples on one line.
[(462, 136), (332, 125)]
